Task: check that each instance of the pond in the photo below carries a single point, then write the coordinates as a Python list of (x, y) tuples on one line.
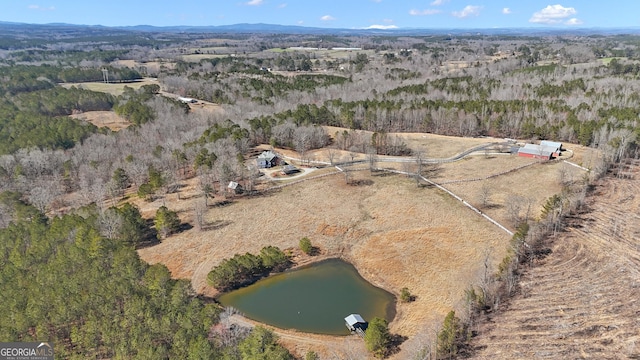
[(315, 298)]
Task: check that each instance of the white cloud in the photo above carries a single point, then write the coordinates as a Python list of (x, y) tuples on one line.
[(438, 2), (282, 6), (387, 20), (552, 14), (469, 10), (377, 1), (41, 8), (415, 12), (573, 21), (300, 22), (506, 11), (255, 2), (327, 18), (382, 27)]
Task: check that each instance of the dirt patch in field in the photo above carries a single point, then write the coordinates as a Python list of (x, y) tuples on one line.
[(104, 119)]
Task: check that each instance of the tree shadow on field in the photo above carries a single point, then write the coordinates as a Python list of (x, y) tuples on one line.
[(149, 237), (432, 171), (315, 251), (394, 344), (222, 203), (361, 182), (493, 206), (264, 193), (215, 225), (382, 173), (184, 227)]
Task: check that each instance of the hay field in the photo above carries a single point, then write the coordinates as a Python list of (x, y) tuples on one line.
[(114, 89), (199, 57), (395, 233), (430, 145)]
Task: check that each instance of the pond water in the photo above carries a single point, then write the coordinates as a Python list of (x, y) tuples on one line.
[(313, 299)]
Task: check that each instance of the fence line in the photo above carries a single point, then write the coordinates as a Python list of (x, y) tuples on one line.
[(490, 176), (464, 202), (301, 180), (576, 165)]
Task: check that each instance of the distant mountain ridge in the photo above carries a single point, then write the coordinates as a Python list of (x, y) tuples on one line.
[(262, 28)]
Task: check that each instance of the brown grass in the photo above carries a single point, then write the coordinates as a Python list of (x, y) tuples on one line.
[(396, 233), (104, 119), (431, 145), (115, 89)]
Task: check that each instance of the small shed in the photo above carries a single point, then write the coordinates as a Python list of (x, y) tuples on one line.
[(267, 159), (187, 100), (356, 323), (235, 187), (289, 169)]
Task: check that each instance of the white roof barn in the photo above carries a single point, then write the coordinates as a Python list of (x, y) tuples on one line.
[(557, 146)]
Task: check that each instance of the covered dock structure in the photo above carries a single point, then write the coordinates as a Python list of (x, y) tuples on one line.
[(355, 323)]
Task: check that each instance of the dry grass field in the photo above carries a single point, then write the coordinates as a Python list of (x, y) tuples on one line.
[(199, 57), (395, 232), (325, 53), (115, 89), (150, 66)]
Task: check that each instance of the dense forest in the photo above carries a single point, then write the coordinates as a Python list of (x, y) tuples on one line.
[(74, 281), (68, 267)]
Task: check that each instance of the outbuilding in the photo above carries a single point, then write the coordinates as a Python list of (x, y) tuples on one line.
[(235, 187), (289, 169), (555, 146), (187, 100), (356, 323), (535, 151)]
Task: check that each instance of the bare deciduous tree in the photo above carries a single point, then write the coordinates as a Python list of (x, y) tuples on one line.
[(199, 210), (109, 223), (331, 155), (484, 195)]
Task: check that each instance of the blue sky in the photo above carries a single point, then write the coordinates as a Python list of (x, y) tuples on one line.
[(329, 13)]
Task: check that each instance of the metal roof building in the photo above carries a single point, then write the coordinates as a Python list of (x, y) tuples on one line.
[(267, 159), (536, 151), (356, 323), (557, 146)]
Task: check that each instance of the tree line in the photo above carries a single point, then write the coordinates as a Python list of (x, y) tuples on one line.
[(242, 270)]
